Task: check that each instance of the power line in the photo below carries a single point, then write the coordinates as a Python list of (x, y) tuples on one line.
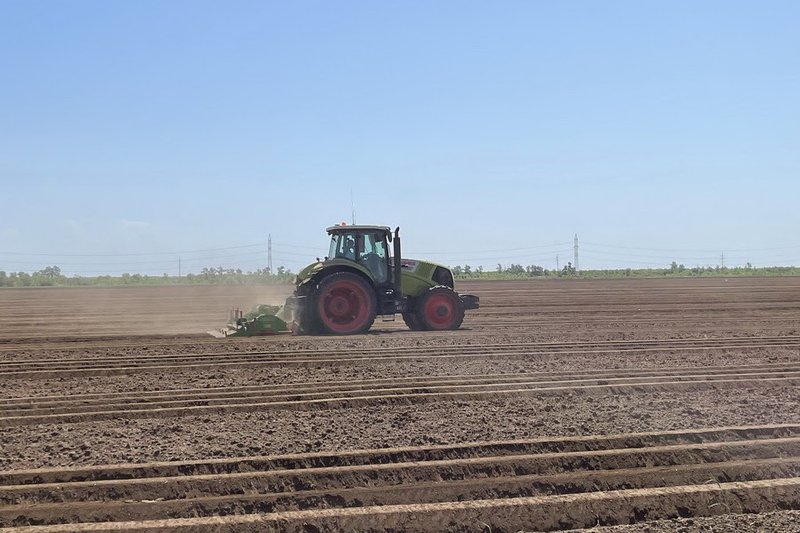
[(648, 263), (152, 262), (285, 245), (458, 259), (663, 257), (260, 244), (294, 254), (701, 250), (501, 250)]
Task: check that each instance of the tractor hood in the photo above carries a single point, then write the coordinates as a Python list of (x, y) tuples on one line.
[(419, 265), (419, 276)]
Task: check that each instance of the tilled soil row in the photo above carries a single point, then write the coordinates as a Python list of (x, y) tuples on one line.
[(12, 369), (352, 393), (562, 305), (236, 378), (778, 521), (146, 353), (533, 329), (618, 479), (574, 359)]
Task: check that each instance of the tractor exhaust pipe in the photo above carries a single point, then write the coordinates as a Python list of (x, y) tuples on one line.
[(398, 266)]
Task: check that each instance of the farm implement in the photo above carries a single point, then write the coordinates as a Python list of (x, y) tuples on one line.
[(358, 281), (262, 320)]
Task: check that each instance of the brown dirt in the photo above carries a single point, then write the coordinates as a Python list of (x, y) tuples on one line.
[(559, 405)]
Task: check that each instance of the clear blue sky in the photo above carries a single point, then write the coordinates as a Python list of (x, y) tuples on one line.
[(653, 130)]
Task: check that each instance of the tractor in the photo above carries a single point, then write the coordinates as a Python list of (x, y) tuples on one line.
[(356, 282)]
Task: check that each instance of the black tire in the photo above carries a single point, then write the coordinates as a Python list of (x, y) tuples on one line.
[(305, 321), (344, 304), (309, 325), (412, 321), (440, 309)]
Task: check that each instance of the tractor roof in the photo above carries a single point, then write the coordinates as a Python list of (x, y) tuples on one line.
[(357, 228)]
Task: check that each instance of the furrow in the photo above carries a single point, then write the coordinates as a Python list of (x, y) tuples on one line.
[(411, 350), (401, 454), (78, 404), (83, 369), (366, 398), (541, 513), (781, 454), (449, 379), (436, 491), (623, 478)]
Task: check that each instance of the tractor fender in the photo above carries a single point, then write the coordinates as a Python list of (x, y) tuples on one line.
[(334, 268), (310, 276)]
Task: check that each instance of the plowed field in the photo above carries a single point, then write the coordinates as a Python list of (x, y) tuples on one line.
[(640, 405)]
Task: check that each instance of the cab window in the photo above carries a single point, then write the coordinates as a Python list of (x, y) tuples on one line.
[(372, 254), (343, 246)]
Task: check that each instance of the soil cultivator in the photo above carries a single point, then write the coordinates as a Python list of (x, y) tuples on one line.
[(356, 282), (262, 320)]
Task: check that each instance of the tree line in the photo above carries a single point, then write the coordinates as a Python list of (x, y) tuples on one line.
[(52, 276), (513, 271)]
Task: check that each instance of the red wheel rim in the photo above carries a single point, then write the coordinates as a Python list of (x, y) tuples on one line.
[(440, 311), (344, 307)]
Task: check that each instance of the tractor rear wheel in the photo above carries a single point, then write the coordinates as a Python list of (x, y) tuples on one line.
[(440, 308), (344, 304)]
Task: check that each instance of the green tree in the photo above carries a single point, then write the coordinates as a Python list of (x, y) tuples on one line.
[(52, 272), (535, 270)]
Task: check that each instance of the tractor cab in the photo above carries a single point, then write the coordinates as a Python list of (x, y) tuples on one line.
[(367, 246)]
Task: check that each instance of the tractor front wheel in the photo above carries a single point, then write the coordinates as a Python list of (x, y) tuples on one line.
[(412, 321), (345, 304), (440, 308)]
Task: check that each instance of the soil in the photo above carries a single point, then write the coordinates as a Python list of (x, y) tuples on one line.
[(626, 405)]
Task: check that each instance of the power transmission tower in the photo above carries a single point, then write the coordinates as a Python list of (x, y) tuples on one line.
[(576, 252), (352, 208), (269, 253), (557, 266), (179, 267), (722, 259)]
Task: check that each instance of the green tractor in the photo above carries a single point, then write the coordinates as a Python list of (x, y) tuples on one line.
[(357, 281)]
